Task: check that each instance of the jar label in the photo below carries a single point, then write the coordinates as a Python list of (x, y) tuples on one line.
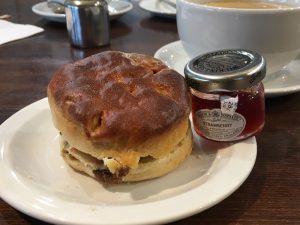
[(218, 126), (229, 104)]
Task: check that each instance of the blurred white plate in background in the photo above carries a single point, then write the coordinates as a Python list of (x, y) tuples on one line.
[(117, 9), (163, 8)]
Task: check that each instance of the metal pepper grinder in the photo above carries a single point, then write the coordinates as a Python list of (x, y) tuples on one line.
[(87, 22)]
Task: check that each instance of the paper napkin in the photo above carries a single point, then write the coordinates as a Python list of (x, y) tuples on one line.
[(11, 31)]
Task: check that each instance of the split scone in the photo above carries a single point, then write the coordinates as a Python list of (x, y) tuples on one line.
[(123, 117)]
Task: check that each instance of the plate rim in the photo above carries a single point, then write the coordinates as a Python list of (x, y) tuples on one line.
[(269, 92), (156, 12), (62, 16), (40, 104), (35, 9)]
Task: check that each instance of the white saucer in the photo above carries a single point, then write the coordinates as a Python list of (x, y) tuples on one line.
[(286, 81), (35, 179), (159, 7), (117, 9)]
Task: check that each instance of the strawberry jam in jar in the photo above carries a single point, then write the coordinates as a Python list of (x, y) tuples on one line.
[(228, 101)]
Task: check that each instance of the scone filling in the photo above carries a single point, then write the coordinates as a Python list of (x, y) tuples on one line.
[(99, 167), (107, 170)]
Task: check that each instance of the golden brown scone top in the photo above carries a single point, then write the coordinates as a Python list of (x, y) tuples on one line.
[(120, 96)]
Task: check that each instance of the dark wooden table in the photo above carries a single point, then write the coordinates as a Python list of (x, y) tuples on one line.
[(270, 195)]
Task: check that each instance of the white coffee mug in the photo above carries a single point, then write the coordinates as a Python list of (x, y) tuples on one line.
[(274, 33), (58, 1)]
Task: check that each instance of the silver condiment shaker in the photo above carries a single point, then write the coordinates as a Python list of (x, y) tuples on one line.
[(87, 22)]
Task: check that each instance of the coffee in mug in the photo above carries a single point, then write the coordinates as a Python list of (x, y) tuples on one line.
[(244, 4)]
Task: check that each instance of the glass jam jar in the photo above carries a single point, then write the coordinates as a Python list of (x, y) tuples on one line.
[(228, 101)]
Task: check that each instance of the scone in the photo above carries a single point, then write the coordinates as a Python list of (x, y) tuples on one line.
[(122, 117)]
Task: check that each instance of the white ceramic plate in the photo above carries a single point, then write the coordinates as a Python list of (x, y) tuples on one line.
[(286, 81), (35, 180), (159, 7), (116, 9)]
